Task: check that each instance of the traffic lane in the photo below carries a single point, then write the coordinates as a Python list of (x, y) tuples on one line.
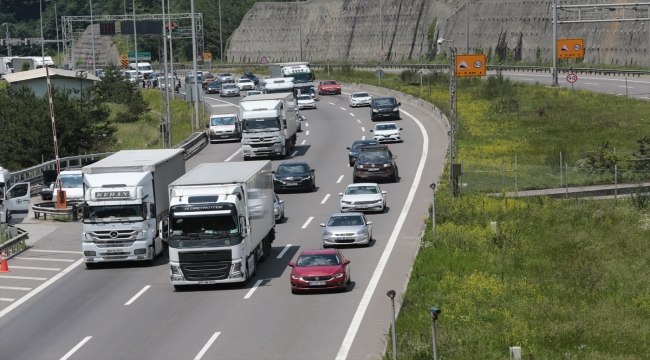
[(636, 87), (319, 321)]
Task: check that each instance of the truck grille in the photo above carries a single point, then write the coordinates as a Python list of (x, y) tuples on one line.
[(205, 256), (260, 145), (260, 140), (206, 271), (113, 236), (119, 257)]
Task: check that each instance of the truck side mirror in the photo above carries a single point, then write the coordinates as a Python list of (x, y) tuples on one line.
[(163, 228), (207, 126)]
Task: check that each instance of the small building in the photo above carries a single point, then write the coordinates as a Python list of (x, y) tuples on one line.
[(63, 79)]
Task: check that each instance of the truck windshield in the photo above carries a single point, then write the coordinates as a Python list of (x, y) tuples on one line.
[(71, 181), (262, 124), (204, 225), (301, 78), (110, 212), (278, 90)]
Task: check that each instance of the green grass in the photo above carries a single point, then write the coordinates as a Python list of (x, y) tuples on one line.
[(180, 111), (560, 278)]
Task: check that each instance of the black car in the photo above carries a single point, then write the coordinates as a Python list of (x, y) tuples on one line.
[(294, 176), (249, 75), (375, 162), (385, 108), (213, 87), (354, 149), (49, 177)]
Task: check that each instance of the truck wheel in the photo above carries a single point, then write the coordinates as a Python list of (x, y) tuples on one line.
[(246, 158), (179, 288)]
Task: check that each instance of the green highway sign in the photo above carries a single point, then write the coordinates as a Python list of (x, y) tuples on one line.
[(145, 55)]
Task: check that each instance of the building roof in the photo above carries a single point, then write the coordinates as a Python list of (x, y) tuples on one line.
[(40, 73)]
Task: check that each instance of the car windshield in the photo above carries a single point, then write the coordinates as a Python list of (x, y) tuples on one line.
[(386, 127), (245, 80), (229, 86), (113, 211), (223, 121), (347, 220), (225, 74), (329, 82), (372, 157), (71, 180), (318, 260), (214, 83), (358, 144), (359, 190), (357, 95), (304, 97), (292, 169), (385, 102)]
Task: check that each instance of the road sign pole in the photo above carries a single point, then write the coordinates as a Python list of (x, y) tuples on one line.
[(555, 82)]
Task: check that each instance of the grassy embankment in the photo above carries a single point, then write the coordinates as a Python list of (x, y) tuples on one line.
[(144, 134), (560, 278)]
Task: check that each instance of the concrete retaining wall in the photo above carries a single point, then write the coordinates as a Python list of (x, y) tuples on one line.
[(350, 30)]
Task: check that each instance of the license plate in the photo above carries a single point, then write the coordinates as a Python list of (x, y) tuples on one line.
[(317, 283), (373, 169), (292, 184), (362, 207), (207, 282), (224, 136), (114, 250)]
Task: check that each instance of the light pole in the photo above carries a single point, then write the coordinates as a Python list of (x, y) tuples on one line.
[(391, 295), (433, 207), (127, 36), (58, 48), (92, 34), (434, 316), (196, 77), (453, 123), (220, 36), (40, 7), (164, 29), (7, 36), (299, 29), (135, 43)]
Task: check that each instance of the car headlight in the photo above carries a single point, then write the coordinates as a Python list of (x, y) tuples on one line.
[(395, 109), (386, 165), (327, 233), (351, 153), (360, 166), (339, 275), (375, 110), (346, 202), (296, 277), (306, 178)]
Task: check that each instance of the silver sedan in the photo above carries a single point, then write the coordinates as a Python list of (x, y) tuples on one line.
[(347, 229)]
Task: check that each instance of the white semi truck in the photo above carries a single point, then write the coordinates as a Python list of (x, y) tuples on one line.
[(303, 77), (125, 197), (220, 224), (268, 125)]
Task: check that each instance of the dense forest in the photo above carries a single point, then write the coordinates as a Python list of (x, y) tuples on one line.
[(23, 20)]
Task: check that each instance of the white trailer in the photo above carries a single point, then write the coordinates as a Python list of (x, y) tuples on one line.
[(268, 125), (220, 224), (125, 197)]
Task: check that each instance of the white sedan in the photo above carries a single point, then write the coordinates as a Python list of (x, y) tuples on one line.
[(306, 102), (363, 197), (245, 84), (360, 99), (387, 132)]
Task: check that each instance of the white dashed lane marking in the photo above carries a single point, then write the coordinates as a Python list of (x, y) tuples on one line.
[(359, 121), (303, 142), (325, 199), (284, 251), (340, 178), (304, 226)]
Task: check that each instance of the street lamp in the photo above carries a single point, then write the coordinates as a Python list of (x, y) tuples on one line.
[(220, 36), (434, 316), (391, 295)]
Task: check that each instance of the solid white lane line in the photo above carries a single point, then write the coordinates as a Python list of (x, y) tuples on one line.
[(252, 290), (363, 129), (35, 268), (74, 349), (629, 87), (372, 284), (304, 226), (645, 97), (44, 285), (590, 84), (233, 155), (307, 132), (207, 346), (363, 137), (44, 259), (332, 103), (56, 251), (325, 199), (303, 142), (22, 277), (342, 108), (306, 124), (340, 178), (217, 99), (284, 251), (294, 153), (352, 114), (359, 121), (136, 296), (7, 299), (14, 288)]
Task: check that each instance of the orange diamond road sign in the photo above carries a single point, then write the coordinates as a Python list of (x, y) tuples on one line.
[(264, 61), (124, 58), (471, 65), (570, 48)]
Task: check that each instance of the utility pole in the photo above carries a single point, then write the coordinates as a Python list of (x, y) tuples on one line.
[(7, 36), (135, 42), (127, 36), (40, 6), (164, 29), (453, 122), (171, 58), (220, 35), (58, 48), (196, 77), (92, 34), (299, 29), (555, 83)]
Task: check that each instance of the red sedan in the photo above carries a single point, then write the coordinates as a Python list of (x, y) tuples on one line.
[(320, 269), (329, 87)]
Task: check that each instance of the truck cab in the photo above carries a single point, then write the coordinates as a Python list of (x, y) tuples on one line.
[(13, 198), (262, 129)]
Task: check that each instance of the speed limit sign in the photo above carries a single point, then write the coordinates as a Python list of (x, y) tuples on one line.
[(572, 78)]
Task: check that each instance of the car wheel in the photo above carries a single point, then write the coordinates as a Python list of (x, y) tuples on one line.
[(313, 186), (91, 266), (351, 163), (355, 179), (294, 291), (393, 178)]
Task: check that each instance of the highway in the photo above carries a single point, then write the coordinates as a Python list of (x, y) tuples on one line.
[(130, 311)]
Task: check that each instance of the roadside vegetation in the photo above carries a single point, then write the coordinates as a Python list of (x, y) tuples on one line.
[(560, 278)]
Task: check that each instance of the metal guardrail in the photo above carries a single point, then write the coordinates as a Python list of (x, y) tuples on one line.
[(49, 208), (193, 144), (16, 244)]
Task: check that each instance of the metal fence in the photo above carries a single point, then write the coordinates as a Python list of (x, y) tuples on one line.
[(15, 243)]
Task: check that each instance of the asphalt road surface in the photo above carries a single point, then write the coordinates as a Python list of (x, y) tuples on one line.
[(130, 311)]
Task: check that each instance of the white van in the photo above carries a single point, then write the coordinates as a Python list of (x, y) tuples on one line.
[(13, 199), (72, 183), (143, 67)]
